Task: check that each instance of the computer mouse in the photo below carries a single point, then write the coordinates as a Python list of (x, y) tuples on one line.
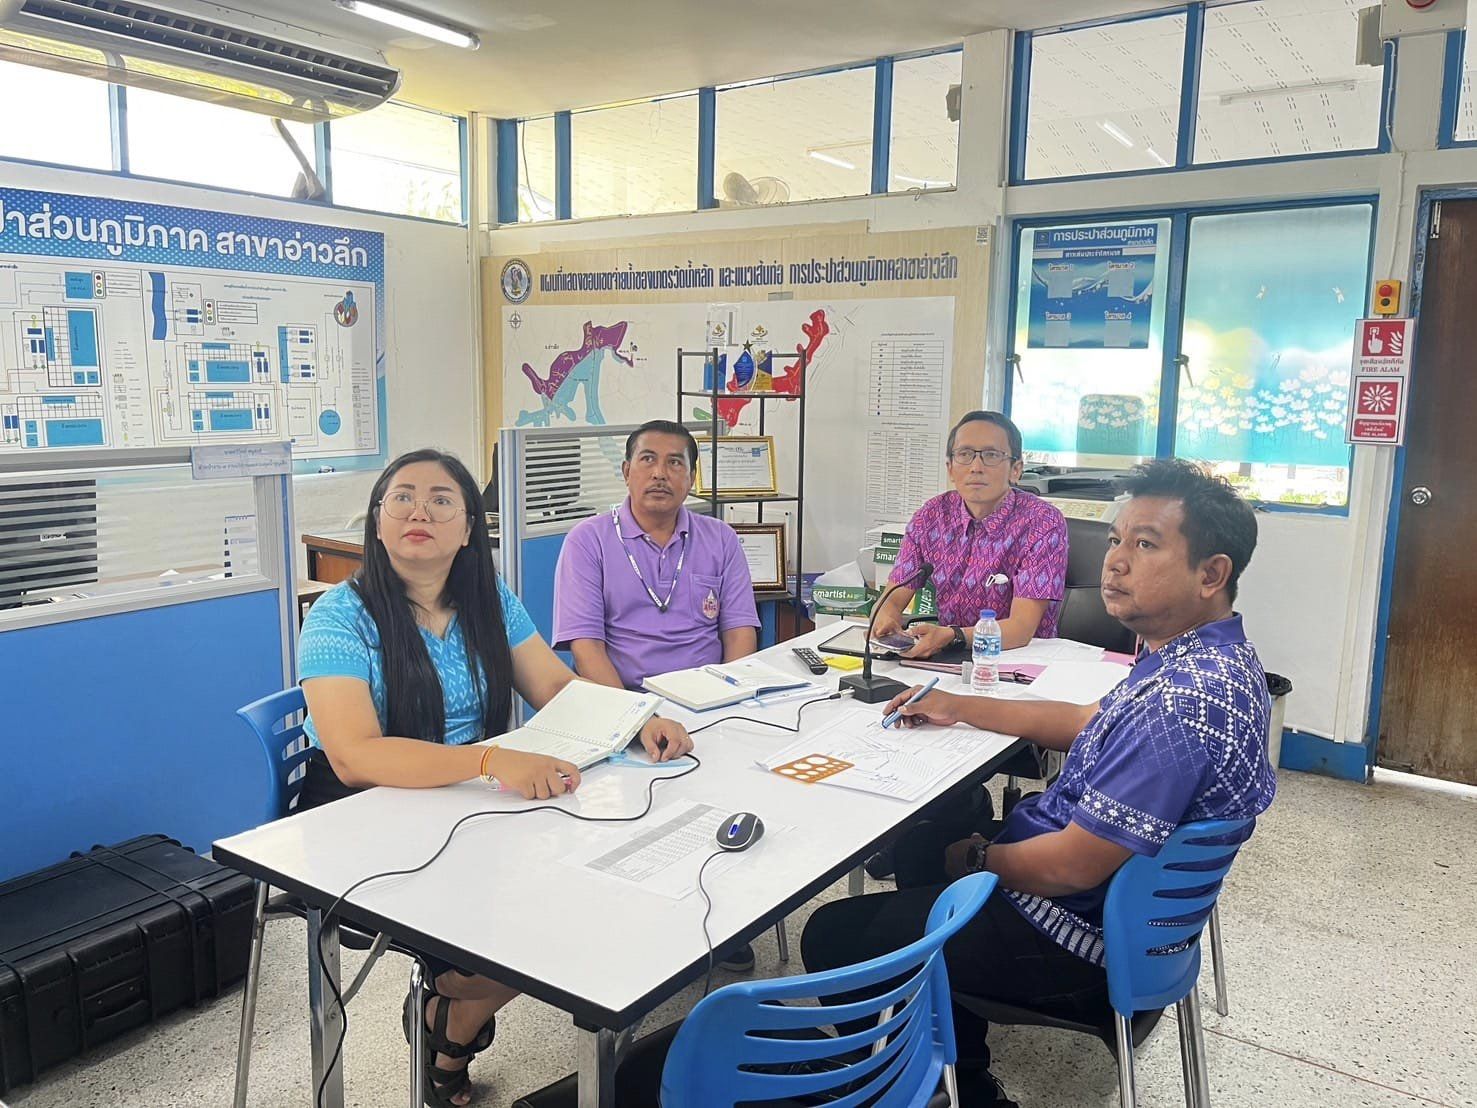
[(740, 831)]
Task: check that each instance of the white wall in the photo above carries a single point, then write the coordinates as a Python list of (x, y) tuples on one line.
[(1311, 594), (431, 335)]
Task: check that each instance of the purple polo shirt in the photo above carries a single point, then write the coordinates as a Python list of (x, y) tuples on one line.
[(1024, 538), (597, 595)]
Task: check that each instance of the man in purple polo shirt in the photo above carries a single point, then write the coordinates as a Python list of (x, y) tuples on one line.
[(990, 545), (649, 587)]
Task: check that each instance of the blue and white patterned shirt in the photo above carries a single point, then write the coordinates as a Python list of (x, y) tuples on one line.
[(1183, 738), (340, 639)]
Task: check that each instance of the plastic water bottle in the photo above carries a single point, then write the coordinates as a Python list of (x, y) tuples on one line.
[(985, 674)]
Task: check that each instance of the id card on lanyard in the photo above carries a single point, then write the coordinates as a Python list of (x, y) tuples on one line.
[(661, 604)]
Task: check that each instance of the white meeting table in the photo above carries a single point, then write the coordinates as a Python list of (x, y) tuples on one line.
[(502, 901)]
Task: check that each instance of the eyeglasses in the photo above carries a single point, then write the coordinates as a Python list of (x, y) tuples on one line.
[(966, 455), (401, 505)]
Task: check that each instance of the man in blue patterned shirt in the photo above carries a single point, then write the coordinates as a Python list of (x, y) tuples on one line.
[(1182, 739)]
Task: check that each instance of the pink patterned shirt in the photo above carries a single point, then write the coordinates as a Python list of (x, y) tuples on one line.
[(1024, 538)]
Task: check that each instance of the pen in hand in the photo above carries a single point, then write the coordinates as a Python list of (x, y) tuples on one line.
[(896, 714)]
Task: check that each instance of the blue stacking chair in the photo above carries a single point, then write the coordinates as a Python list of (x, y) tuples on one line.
[(1152, 921), (908, 1049), (276, 721)]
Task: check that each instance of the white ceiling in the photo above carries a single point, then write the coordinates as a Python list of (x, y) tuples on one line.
[(539, 56)]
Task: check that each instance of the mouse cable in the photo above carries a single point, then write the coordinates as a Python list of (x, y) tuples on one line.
[(795, 728), (651, 785)]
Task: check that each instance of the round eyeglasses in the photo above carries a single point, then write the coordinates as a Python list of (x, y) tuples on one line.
[(401, 505), (965, 456)]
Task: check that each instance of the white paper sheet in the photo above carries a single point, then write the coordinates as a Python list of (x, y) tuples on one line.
[(885, 761), (1077, 682), (662, 853), (1041, 651)]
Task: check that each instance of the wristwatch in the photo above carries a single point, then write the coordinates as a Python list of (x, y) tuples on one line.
[(959, 639), (974, 857)]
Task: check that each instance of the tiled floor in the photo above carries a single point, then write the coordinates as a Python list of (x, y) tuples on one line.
[(1351, 944)]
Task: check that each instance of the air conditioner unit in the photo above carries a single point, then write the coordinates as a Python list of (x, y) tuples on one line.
[(203, 51)]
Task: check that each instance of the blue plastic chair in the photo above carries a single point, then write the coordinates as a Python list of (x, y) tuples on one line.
[(910, 1046), (276, 720), (1155, 912)]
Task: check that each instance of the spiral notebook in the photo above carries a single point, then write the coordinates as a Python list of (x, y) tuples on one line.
[(584, 723)]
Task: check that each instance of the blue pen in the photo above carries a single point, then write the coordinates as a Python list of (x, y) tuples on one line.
[(713, 671), (896, 714)]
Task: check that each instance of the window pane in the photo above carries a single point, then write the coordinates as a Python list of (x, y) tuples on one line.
[(1270, 304), (1279, 80), (1466, 115), (191, 140), (536, 170), (65, 119), (1078, 400), (398, 159), (925, 141), (806, 138), (1105, 99), (635, 158)]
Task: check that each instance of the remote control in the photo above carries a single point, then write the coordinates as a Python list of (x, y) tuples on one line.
[(813, 661)]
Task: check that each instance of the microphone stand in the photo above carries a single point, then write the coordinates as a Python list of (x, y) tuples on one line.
[(874, 690)]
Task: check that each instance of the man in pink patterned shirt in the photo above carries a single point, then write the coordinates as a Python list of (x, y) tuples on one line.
[(990, 544)]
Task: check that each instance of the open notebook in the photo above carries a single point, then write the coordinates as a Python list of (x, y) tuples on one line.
[(584, 723), (702, 688)]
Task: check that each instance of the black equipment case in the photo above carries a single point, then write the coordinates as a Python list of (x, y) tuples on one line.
[(109, 941)]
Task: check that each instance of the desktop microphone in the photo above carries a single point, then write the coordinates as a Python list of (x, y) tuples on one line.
[(864, 687)]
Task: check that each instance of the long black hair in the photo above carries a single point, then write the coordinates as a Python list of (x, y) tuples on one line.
[(415, 705)]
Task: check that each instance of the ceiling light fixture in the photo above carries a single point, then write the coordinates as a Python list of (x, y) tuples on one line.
[(921, 182), (830, 159), (1114, 132), (1287, 90), (415, 24), (1158, 157)]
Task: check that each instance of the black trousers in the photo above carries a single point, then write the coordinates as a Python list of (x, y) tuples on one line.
[(998, 955)]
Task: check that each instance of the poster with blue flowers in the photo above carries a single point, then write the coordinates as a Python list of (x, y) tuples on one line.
[(1092, 287)]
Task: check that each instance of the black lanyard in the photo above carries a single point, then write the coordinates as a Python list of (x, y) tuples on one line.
[(661, 605)]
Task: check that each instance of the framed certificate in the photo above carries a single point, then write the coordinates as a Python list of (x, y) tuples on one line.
[(764, 550), (745, 466)]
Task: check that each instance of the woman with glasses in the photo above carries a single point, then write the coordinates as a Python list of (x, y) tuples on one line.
[(989, 544), (410, 662)]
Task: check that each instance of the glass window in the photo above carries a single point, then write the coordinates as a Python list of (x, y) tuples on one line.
[(1271, 299), (398, 159), (801, 138), (634, 158), (65, 119), (191, 140), (1466, 113), (1089, 332), (925, 140), (1279, 80), (536, 180), (1105, 99)]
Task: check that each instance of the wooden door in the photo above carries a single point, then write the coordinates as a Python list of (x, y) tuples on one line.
[(1428, 717)]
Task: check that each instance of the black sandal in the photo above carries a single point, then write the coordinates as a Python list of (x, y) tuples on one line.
[(444, 1084)]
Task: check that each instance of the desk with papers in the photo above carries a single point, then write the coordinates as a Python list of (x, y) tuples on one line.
[(541, 878)]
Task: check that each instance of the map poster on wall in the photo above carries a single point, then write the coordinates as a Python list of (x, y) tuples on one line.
[(1092, 287), (127, 325)]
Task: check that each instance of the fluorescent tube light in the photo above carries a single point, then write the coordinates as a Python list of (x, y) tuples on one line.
[(415, 24), (1158, 157), (1113, 131), (830, 159)]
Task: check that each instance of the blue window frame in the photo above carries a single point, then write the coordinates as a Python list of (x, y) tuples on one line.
[(1216, 107), (1241, 358)]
